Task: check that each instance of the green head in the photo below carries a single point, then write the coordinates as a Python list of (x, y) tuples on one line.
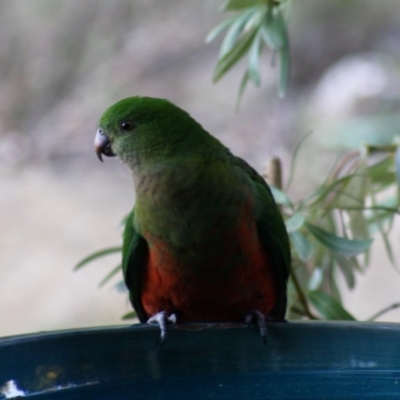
[(139, 129)]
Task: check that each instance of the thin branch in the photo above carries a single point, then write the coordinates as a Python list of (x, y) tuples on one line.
[(342, 164), (302, 296), (383, 311), (294, 159)]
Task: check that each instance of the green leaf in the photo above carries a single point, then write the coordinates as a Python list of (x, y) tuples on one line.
[(219, 29), (254, 60), (234, 55), (328, 307), (330, 284), (339, 245), (316, 279), (284, 71), (354, 190), (280, 197), (293, 161), (121, 287), (347, 268), (243, 84), (383, 173), (273, 30), (256, 18), (112, 273), (233, 34), (384, 235), (321, 194), (96, 255), (231, 5), (352, 198), (129, 315), (397, 164), (393, 306), (302, 245), (295, 222)]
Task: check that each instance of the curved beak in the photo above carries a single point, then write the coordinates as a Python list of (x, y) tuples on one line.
[(102, 145)]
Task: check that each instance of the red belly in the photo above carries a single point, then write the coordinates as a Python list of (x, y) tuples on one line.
[(231, 282)]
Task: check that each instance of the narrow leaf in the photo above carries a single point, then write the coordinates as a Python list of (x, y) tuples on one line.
[(233, 56), (216, 31), (397, 164), (254, 60), (129, 315), (328, 307), (97, 254), (240, 4), (242, 87), (256, 18), (273, 30), (339, 245), (354, 190), (320, 195), (295, 222), (330, 284), (347, 269), (121, 287), (316, 279), (302, 245), (293, 161), (233, 34), (112, 273), (382, 171), (393, 306), (284, 55), (280, 197), (284, 71), (384, 235)]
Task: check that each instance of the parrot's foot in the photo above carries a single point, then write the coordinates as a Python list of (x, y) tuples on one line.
[(162, 319), (255, 316)]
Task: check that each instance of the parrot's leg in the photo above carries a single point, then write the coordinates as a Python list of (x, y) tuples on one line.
[(162, 319), (259, 318)]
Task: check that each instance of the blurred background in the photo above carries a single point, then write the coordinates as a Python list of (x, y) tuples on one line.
[(63, 63)]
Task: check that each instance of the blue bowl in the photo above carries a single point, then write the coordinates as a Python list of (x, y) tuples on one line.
[(301, 360)]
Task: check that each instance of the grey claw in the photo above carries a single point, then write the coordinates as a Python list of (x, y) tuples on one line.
[(259, 318), (172, 319), (162, 319)]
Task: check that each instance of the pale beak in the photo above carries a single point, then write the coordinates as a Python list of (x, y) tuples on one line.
[(102, 145)]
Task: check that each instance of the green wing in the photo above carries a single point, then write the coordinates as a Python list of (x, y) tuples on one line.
[(134, 257), (274, 236)]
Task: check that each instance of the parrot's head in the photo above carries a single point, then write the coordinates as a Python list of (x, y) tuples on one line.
[(140, 129)]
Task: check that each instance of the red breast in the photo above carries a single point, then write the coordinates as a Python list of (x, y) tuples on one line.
[(236, 280)]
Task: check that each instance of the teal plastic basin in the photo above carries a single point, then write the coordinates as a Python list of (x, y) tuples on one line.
[(301, 360)]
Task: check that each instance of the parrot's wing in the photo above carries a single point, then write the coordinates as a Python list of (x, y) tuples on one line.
[(134, 258), (273, 234)]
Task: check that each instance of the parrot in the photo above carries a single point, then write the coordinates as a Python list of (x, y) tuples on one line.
[(205, 241)]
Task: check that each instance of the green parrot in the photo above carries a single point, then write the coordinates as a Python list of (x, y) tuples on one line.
[(205, 240)]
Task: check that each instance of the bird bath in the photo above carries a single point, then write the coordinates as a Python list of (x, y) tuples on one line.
[(301, 360)]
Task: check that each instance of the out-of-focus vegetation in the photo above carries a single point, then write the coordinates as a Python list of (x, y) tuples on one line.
[(63, 63), (258, 24)]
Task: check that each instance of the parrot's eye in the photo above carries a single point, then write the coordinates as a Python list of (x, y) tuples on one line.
[(127, 126)]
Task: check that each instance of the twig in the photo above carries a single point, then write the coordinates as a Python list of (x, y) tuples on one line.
[(383, 311), (302, 297), (294, 159)]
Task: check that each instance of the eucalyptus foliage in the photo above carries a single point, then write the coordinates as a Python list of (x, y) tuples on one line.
[(332, 229), (256, 25)]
